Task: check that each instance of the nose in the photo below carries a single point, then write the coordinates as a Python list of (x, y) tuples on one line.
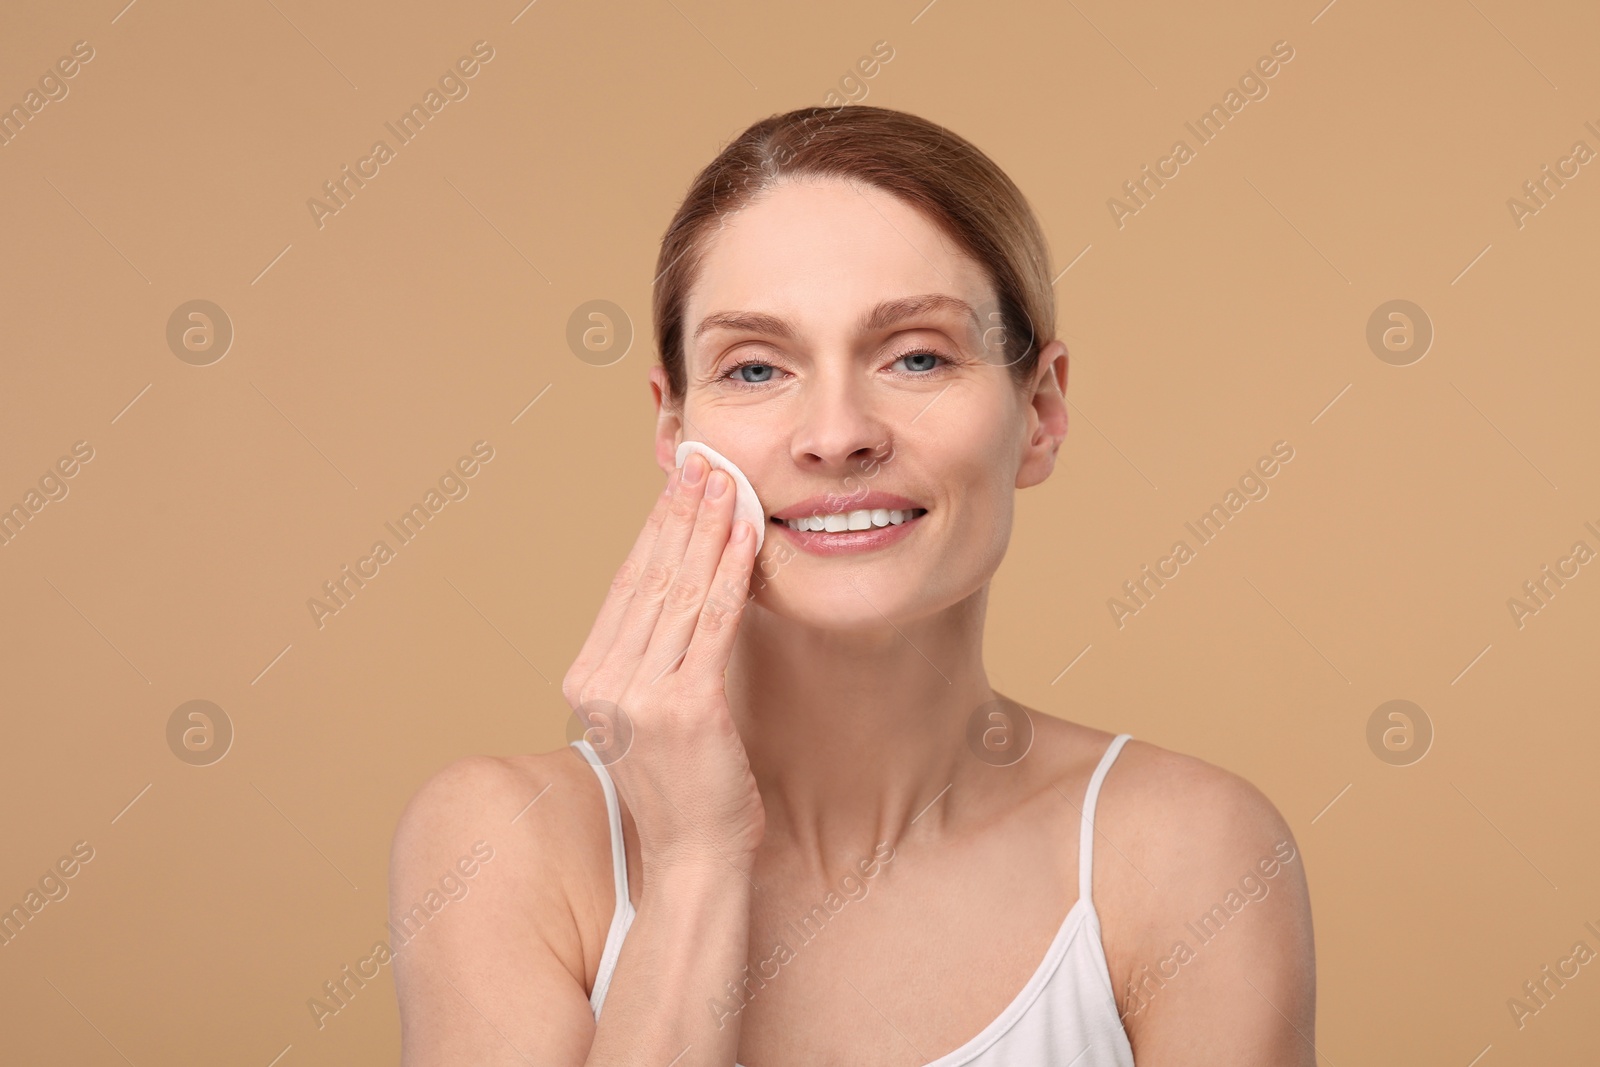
[(837, 429)]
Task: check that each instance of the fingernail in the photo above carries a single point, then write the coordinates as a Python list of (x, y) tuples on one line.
[(694, 469), (717, 485), (741, 530)]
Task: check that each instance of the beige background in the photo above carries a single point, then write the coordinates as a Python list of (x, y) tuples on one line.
[(370, 353)]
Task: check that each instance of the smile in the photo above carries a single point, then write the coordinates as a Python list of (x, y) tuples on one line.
[(849, 532), (860, 519)]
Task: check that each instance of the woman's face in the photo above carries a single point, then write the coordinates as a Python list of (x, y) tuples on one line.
[(844, 353)]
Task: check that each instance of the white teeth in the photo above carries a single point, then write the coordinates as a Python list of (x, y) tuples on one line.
[(861, 519)]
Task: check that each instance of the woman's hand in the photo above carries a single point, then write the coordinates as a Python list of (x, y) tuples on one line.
[(649, 686)]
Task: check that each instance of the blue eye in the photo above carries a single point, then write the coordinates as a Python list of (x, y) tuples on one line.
[(759, 367), (765, 373), (921, 356)]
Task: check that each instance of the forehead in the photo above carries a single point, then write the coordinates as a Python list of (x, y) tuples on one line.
[(824, 250)]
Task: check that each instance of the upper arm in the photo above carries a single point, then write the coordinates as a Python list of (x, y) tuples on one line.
[(477, 969), (1224, 971)]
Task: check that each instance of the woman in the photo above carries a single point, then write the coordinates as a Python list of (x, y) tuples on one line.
[(804, 829)]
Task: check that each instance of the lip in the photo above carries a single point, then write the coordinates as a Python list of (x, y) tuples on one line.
[(846, 542), (822, 543), (830, 503)]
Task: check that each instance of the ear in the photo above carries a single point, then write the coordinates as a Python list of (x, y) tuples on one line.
[(669, 426), (1047, 416)]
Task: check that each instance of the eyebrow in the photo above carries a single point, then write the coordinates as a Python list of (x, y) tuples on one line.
[(886, 314)]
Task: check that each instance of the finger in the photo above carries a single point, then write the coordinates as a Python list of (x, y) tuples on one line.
[(691, 584), (604, 630), (655, 578), (718, 621)]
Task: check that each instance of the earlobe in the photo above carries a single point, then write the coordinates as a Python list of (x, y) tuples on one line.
[(669, 435)]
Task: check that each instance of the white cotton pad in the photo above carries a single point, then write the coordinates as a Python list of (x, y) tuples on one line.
[(745, 504)]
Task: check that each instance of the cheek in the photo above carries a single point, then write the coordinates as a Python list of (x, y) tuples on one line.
[(984, 473), (978, 496), (992, 532), (970, 459)]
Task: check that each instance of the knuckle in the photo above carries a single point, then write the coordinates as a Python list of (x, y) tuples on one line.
[(683, 507), (654, 578), (722, 609), (716, 616), (592, 694), (626, 576), (633, 695), (684, 596)]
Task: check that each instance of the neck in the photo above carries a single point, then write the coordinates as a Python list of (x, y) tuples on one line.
[(853, 734)]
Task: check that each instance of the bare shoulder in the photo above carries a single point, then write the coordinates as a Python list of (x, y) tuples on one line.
[(496, 795), (493, 885), (536, 813), (1203, 895), (1185, 818)]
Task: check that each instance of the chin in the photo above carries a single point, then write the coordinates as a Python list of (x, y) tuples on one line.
[(859, 599)]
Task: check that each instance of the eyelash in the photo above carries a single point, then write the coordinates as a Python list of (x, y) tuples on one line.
[(727, 375)]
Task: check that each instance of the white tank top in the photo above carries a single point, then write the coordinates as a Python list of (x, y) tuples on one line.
[(1066, 1014)]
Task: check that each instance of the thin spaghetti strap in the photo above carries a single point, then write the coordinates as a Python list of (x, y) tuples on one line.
[(619, 857), (622, 911), (1086, 826)]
